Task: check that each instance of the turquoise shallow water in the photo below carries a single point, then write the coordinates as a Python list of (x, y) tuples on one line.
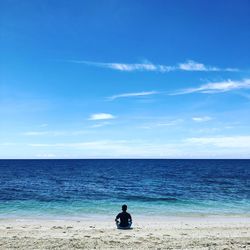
[(82, 188), (83, 209)]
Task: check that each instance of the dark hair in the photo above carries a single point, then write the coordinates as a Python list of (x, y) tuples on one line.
[(124, 207)]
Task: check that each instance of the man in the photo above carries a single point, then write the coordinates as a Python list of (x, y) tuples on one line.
[(123, 220)]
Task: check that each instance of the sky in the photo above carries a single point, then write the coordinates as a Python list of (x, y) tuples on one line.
[(124, 79)]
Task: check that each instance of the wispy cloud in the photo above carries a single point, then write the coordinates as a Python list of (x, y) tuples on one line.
[(55, 133), (101, 116), (196, 147), (46, 155), (202, 118), (136, 94), (115, 148), (195, 66), (147, 66), (189, 65), (216, 87), (245, 95), (36, 133), (100, 124), (162, 123), (222, 141)]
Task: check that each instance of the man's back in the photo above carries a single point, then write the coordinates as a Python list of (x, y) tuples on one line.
[(125, 218)]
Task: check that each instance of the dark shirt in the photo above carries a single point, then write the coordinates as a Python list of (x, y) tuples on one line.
[(125, 218)]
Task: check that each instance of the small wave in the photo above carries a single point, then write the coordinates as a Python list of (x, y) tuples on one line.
[(150, 199), (219, 182)]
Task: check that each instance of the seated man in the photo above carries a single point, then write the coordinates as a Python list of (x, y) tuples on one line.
[(125, 219)]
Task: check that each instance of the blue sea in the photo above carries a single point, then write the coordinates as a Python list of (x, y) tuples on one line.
[(82, 188)]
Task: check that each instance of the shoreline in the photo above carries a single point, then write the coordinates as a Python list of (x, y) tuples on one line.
[(155, 233), (108, 217)]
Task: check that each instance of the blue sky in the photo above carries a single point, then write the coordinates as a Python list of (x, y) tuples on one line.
[(125, 79)]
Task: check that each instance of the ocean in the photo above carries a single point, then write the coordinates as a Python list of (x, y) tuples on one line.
[(87, 188)]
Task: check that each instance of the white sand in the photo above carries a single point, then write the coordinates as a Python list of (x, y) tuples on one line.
[(156, 233)]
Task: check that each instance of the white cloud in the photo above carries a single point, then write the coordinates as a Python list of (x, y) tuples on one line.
[(147, 66), (89, 144), (163, 123), (202, 118), (101, 116), (245, 95), (136, 94), (116, 148), (101, 124), (194, 66), (222, 141), (197, 147), (209, 130), (55, 133), (46, 155), (131, 67), (217, 87), (36, 133), (189, 65)]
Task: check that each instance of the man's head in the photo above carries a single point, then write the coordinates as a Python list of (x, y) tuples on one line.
[(124, 208)]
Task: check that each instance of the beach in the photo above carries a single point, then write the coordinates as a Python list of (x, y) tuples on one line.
[(119, 113), (175, 204), (147, 233)]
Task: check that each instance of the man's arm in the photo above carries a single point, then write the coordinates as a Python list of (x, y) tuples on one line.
[(130, 217), (117, 217)]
